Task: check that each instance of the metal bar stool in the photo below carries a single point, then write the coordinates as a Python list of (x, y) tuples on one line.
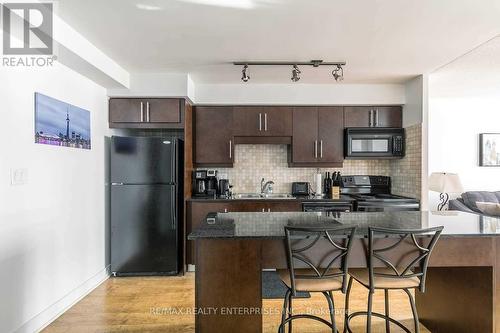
[(317, 262), (405, 271)]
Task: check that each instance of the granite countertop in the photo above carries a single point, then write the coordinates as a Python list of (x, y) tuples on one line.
[(343, 198), (271, 225)]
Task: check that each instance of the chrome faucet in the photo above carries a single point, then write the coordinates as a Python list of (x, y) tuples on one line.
[(266, 187)]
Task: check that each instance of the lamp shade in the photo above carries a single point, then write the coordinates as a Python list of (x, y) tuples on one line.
[(443, 182)]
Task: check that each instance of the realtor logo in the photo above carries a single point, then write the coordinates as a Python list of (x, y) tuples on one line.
[(27, 28)]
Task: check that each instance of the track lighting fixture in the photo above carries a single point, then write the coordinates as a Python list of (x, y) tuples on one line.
[(295, 73), (244, 74), (338, 73)]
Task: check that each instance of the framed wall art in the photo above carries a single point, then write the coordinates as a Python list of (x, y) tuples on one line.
[(58, 123), (489, 149)]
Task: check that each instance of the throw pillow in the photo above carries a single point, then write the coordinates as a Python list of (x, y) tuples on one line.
[(489, 208)]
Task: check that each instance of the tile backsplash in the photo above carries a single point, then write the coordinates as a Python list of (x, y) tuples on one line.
[(407, 173), (254, 162)]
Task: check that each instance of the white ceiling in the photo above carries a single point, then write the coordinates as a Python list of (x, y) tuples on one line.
[(382, 41), (475, 74)]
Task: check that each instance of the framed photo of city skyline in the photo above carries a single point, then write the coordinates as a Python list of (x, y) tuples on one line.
[(489, 149), (61, 124)]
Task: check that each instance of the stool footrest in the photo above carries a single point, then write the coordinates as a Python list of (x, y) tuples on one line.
[(304, 316), (375, 314)]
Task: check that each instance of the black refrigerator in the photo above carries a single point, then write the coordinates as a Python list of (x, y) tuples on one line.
[(146, 205)]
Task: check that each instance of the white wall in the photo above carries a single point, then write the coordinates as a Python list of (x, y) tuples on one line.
[(454, 127), (300, 94), (52, 229), (414, 99), (156, 85)]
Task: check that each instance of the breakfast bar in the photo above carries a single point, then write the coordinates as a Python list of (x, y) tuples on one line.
[(463, 280)]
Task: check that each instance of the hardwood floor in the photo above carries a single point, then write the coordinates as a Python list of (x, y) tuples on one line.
[(162, 304)]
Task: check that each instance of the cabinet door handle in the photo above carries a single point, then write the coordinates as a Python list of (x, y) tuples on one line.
[(142, 112), (260, 121), (315, 148), (371, 119), (147, 112), (376, 117), (265, 122), (230, 149), (321, 148)]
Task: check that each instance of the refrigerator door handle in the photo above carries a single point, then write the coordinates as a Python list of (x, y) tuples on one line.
[(174, 163), (173, 207)]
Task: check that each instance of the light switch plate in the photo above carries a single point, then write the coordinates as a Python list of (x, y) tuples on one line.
[(18, 176)]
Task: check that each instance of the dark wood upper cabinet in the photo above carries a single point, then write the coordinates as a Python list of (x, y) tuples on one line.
[(373, 116), (305, 135), (247, 120), (278, 121), (262, 121), (317, 136), (388, 116), (214, 145), (331, 134), (161, 110), (126, 110), (146, 113)]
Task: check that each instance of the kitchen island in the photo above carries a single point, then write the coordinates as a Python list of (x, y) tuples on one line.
[(463, 281)]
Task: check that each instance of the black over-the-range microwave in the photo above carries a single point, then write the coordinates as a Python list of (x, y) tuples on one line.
[(362, 143)]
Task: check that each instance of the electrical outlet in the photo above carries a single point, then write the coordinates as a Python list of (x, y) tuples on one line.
[(18, 176)]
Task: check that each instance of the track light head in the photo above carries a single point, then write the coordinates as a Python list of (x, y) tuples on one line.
[(244, 74), (295, 74), (338, 73)]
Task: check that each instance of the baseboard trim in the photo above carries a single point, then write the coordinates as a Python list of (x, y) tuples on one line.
[(47, 316)]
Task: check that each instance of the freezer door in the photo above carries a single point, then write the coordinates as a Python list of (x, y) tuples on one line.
[(140, 160), (144, 230)]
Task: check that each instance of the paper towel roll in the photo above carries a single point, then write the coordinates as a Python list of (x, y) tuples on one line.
[(319, 184)]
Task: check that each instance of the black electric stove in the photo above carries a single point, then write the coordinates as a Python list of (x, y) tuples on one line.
[(373, 194)]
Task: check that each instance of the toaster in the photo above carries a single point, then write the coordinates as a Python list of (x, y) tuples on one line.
[(300, 189)]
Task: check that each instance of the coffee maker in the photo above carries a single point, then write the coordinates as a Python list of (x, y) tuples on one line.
[(205, 183)]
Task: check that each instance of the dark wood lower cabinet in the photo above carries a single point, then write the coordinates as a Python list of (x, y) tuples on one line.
[(198, 210)]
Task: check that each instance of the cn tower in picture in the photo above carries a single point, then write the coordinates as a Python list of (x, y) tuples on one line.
[(67, 124)]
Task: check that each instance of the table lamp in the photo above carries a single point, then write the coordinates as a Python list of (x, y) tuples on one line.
[(445, 183)]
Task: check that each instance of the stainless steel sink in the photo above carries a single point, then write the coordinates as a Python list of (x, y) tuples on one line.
[(277, 196), (263, 196), (247, 196)]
